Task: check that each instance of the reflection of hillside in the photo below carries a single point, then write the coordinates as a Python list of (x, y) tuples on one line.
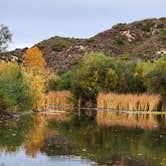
[(143, 121)]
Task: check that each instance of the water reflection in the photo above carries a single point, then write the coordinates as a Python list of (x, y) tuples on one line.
[(144, 121), (56, 142)]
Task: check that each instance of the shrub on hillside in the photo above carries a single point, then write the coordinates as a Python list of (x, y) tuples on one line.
[(119, 41), (163, 34)]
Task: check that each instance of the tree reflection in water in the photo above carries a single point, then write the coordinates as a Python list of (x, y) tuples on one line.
[(127, 143)]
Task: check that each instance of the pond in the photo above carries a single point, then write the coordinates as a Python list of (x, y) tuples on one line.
[(65, 140)]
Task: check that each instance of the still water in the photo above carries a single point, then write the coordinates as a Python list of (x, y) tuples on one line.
[(59, 140)]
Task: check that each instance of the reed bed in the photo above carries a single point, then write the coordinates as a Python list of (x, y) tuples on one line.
[(143, 121), (60, 100), (128, 102)]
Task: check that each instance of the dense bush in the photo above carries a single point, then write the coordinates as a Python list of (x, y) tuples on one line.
[(60, 83), (119, 41), (125, 56), (90, 40), (146, 26), (97, 72), (163, 34), (156, 78), (14, 94), (61, 43), (128, 78)]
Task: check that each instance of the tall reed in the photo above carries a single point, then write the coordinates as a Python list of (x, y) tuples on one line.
[(130, 102), (59, 99)]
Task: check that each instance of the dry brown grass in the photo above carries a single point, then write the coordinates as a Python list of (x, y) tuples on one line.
[(131, 102), (144, 121), (59, 98)]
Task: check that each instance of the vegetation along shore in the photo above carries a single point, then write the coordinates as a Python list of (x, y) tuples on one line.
[(97, 80)]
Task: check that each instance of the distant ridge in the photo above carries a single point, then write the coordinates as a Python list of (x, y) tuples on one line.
[(138, 41)]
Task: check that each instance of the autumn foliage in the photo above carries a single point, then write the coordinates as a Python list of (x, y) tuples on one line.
[(34, 64), (33, 59)]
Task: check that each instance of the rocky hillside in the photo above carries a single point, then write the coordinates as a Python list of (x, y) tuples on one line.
[(142, 40)]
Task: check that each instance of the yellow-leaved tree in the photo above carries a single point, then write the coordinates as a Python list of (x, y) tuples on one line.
[(34, 60), (34, 71)]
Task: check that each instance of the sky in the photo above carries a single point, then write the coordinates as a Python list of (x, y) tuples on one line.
[(31, 21)]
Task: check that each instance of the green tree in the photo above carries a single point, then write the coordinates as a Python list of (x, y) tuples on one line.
[(14, 94), (5, 37), (156, 78), (90, 75)]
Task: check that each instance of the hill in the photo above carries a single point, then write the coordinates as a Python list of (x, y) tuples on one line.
[(138, 41)]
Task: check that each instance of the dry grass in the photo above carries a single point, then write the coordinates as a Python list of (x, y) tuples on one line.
[(59, 98), (131, 102), (144, 121)]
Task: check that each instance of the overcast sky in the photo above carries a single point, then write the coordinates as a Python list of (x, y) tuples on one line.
[(31, 21)]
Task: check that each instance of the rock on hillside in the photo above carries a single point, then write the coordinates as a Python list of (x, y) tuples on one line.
[(138, 41)]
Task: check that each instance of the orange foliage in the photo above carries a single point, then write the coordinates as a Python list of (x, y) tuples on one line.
[(33, 59), (35, 72)]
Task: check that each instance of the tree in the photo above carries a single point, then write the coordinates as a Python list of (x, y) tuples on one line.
[(91, 75), (33, 59), (14, 94), (34, 72), (5, 37), (156, 78)]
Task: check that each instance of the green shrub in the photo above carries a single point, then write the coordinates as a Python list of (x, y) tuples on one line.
[(65, 81), (125, 56), (163, 34), (119, 41), (61, 43), (51, 84), (128, 82), (14, 94), (160, 26), (146, 27), (90, 40), (156, 78), (58, 47)]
